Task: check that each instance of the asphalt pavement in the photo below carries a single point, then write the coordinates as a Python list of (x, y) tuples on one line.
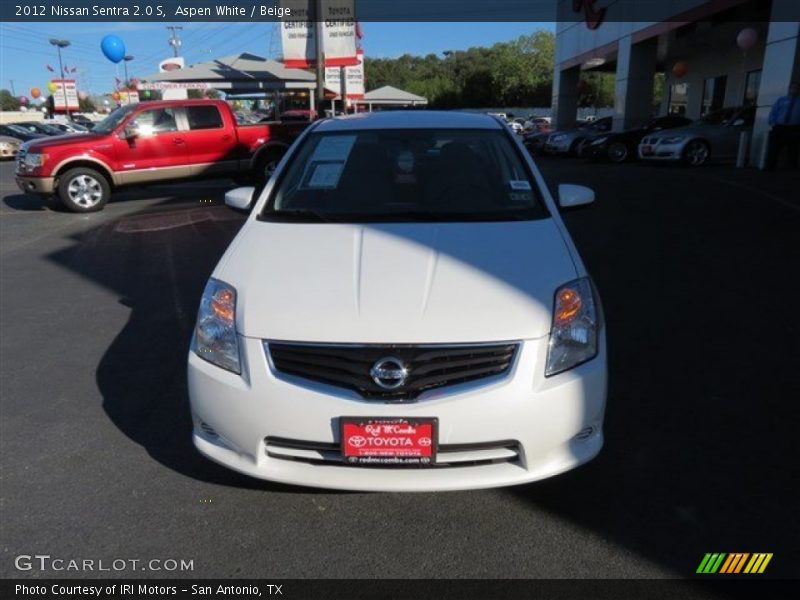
[(698, 272)]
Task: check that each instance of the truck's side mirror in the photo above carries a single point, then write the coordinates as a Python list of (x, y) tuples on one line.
[(130, 132), (572, 196), (240, 198)]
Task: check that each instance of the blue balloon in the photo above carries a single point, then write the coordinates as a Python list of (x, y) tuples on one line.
[(113, 48)]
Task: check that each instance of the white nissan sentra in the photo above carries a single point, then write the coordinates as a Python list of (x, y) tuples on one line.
[(403, 310)]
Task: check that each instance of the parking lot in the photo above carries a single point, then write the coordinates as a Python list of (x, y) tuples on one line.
[(697, 270)]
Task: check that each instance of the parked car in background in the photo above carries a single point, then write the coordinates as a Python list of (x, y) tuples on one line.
[(20, 133), (82, 120), (68, 127), (621, 146), (151, 142), (535, 139), (714, 137), (9, 146), (487, 370), (567, 141), (38, 127)]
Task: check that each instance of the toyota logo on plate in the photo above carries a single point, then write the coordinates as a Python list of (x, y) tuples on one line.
[(389, 373), (357, 441)]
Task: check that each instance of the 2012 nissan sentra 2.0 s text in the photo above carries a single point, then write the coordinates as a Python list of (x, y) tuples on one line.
[(403, 310)]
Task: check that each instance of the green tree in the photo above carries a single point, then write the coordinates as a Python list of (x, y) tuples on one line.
[(7, 101)]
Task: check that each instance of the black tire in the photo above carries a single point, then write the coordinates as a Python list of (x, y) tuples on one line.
[(696, 153), (83, 190), (618, 152), (265, 166)]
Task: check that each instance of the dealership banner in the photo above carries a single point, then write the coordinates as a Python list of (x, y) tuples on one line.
[(172, 64), (354, 76), (299, 33), (68, 101)]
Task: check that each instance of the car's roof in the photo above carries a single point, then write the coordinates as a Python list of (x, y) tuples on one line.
[(410, 119)]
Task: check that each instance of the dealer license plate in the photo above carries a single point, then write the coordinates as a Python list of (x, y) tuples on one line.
[(647, 150), (389, 441)]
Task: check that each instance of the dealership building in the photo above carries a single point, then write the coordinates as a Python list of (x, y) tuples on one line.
[(713, 54)]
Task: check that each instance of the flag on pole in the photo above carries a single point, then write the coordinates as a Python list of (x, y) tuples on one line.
[(51, 69)]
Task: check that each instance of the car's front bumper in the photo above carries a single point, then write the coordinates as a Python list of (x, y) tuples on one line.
[(36, 185), (555, 422)]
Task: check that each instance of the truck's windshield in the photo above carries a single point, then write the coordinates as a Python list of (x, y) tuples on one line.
[(112, 121), (406, 175)]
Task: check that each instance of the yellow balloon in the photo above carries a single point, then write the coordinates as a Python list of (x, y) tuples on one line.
[(51, 87)]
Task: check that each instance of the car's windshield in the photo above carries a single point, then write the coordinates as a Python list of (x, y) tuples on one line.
[(418, 175), (112, 121), (18, 129)]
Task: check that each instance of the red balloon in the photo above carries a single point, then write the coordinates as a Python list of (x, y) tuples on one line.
[(680, 68), (115, 96), (747, 38), (36, 92)]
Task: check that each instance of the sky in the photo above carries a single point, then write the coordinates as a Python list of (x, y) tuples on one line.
[(25, 51)]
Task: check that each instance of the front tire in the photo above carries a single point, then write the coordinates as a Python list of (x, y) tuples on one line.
[(697, 153), (83, 190), (618, 152), (266, 166)]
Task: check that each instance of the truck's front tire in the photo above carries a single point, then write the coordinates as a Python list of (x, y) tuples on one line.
[(83, 190), (266, 166)]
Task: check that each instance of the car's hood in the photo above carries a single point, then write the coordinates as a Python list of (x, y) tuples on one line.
[(77, 139), (398, 282), (686, 130)]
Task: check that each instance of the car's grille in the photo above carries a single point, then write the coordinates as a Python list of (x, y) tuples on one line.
[(447, 455), (426, 367)]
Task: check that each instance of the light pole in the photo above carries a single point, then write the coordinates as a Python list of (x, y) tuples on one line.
[(59, 44), (174, 40), (126, 60)]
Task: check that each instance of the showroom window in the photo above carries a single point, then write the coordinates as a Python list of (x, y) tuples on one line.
[(713, 94), (751, 87)]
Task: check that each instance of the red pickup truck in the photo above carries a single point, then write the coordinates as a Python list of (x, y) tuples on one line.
[(151, 142)]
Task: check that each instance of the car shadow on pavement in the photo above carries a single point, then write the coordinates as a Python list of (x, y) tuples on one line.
[(157, 261), (702, 414)]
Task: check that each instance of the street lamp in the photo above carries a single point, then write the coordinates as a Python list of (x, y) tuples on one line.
[(127, 59), (59, 44)]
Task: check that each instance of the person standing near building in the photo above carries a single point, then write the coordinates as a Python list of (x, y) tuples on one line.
[(784, 118)]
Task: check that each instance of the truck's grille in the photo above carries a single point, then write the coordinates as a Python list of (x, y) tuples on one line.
[(20, 158), (360, 368)]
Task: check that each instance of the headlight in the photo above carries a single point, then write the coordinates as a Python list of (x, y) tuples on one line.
[(215, 333), (673, 140), (558, 138), (7, 145), (573, 337), (32, 161), (600, 140)]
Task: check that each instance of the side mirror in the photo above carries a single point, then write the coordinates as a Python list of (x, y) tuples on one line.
[(738, 122), (130, 132), (571, 196), (240, 198)]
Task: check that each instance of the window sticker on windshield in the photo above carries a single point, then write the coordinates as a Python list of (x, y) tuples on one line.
[(334, 147), (521, 197), (323, 175), (521, 185)]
